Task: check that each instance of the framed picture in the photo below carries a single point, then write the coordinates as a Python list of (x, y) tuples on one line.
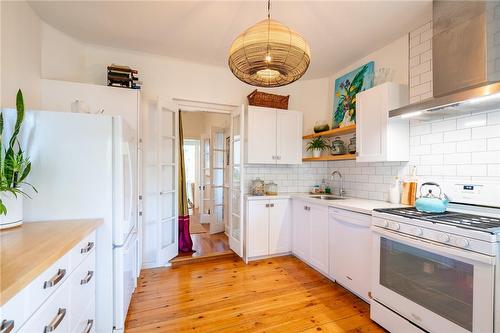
[(346, 88)]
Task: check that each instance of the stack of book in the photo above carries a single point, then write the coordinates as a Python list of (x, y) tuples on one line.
[(123, 76)]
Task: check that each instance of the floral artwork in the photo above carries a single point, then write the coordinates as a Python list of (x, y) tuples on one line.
[(346, 88)]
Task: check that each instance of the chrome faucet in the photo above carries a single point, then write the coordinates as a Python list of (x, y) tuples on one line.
[(341, 190)]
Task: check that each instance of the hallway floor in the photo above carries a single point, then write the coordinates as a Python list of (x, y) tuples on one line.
[(226, 295), (205, 245)]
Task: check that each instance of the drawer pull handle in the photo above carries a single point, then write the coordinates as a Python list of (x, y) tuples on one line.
[(87, 278), (55, 279), (7, 326), (86, 249), (56, 321), (90, 323)]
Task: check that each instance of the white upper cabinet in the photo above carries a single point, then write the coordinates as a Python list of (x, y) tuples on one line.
[(380, 138), (288, 137), (261, 135), (274, 136)]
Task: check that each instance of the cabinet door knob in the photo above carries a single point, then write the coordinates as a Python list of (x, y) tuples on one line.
[(271, 205), (267, 205), (6, 326), (55, 279), (61, 313)]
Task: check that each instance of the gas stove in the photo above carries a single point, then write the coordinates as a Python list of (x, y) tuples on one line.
[(459, 219)]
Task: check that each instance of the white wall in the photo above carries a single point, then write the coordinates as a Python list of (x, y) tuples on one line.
[(20, 54), (62, 57)]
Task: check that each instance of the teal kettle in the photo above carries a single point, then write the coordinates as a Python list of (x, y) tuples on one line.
[(430, 203)]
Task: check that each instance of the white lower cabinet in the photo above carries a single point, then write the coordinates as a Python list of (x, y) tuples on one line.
[(350, 250), (310, 234), (61, 299), (269, 227)]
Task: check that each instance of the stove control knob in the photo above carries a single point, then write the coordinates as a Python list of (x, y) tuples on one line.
[(384, 224), (417, 231), (462, 242), (443, 238), (394, 226)]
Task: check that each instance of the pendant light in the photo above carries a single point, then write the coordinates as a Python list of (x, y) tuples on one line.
[(269, 54)]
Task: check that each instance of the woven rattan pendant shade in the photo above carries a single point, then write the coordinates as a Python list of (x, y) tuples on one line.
[(269, 54)]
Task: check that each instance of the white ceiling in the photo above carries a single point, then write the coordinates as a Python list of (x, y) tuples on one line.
[(339, 32)]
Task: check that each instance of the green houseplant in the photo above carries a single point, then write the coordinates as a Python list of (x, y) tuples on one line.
[(15, 166), (317, 145)]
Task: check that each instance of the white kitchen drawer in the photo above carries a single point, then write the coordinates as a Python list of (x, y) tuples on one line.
[(14, 312), (82, 288), (86, 322), (40, 289), (55, 311), (85, 247)]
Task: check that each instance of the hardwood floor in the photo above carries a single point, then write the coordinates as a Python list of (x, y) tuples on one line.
[(226, 295), (205, 245)]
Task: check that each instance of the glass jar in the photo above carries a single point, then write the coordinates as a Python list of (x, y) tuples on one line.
[(257, 187), (351, 148), (338, 146), (271, 188)]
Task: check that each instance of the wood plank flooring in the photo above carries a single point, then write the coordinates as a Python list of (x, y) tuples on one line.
[(226, 295), (205, 246)]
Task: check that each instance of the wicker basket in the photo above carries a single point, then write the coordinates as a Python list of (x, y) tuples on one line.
[(259, 98)]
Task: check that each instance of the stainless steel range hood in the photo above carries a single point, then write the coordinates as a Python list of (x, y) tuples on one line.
[(465, 60)]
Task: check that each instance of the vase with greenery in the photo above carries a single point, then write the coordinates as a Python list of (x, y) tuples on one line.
[(15, 166), (317, 145)]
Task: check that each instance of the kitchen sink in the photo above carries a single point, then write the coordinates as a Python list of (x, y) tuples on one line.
[(326, 197)]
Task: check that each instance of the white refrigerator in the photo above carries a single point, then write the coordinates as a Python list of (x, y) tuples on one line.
[(84, 166)]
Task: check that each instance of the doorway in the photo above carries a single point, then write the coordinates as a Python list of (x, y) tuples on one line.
[(206, 167)]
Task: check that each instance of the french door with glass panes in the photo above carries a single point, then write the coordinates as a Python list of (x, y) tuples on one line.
[(205, 180), (236, 229), (160, 194), (217, 152)]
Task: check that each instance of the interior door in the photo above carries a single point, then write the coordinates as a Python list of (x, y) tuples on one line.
[(168, 152), (205, 180), (217, 180), (236, 230)]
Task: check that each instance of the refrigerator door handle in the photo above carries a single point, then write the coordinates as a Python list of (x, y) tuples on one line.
[(130, 180)]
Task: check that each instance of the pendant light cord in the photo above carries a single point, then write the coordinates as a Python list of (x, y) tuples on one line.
[(268, 27), (268, 9)]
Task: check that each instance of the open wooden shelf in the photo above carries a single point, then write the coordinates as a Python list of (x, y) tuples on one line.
[(330, 158), (332, 132)]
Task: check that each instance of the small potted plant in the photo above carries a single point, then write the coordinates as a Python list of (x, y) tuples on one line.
[(317, 145), (14, 168)]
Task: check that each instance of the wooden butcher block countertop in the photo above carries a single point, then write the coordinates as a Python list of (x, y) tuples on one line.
[(28, 250)]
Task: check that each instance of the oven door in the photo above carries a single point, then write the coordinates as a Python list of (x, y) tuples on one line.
[(437, 287)]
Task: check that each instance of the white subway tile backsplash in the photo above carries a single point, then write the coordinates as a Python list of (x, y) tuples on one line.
[(420, 150), (494, 170), (436, 159), (493, 118), (471, 145), (431, 138), (486, 132), (447, 148), (458, 135), (471, 121), (487, 157), (472, 170), (494, 144), (442, 126), (420, 129), (444, 170), (457, 158)]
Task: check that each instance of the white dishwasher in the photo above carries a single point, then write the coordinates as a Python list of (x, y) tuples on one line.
[(350, 250)]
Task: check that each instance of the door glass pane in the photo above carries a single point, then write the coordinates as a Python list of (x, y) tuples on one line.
[(218, 213), (167, 232), (218, 177), (218, 158), (167, 152), (167, 178), (218, 195), (440, 284), (167, 201), (168, 123)]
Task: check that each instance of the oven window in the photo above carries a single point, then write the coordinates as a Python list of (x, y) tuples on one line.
[(440, 284)]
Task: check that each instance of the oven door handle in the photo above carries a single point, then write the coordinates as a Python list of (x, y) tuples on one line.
[(431, 246)]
